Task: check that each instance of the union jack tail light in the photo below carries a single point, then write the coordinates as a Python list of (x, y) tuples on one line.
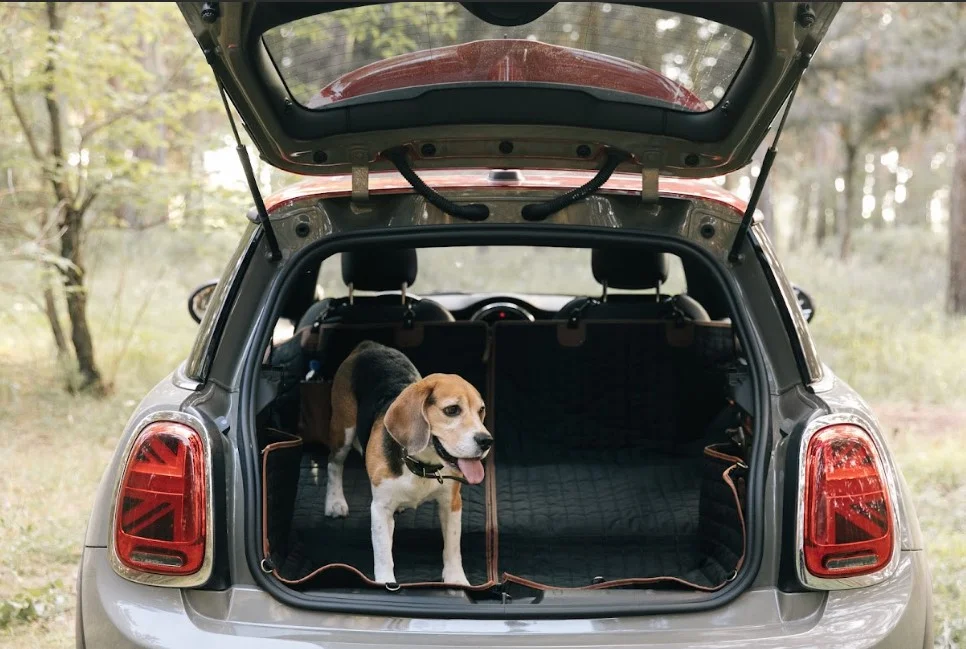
[(160, 522), (848, 521)]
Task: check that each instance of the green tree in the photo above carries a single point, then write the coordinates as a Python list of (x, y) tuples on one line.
[(96, 118), (875, 78)]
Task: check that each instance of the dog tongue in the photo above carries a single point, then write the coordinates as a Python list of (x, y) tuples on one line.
[(472, 470)]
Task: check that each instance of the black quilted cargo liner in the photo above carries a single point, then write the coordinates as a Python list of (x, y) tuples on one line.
[(314, 540), (671, 521), (603, 473)]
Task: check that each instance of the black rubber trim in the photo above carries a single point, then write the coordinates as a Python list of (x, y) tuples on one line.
[(224, 309), (472, 212), (540, 211), (398, 604), (789, 324)]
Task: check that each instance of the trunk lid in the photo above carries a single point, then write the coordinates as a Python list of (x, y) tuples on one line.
[(685, 89)]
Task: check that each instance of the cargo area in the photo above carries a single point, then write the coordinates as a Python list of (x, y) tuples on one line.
[(618, 460)]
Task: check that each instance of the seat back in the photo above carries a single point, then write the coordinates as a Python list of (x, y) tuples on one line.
[(444, 347), (631, 269), (390, 270), (627, 386)]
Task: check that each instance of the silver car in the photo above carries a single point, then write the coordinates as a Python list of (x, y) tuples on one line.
[(673, 463)]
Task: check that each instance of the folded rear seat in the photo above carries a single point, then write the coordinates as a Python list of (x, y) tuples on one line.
[(599, 458)]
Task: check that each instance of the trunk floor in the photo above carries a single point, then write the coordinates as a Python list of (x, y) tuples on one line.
[(611, 516)]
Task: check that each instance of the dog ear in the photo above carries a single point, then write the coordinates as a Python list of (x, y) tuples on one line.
[(406, 417)]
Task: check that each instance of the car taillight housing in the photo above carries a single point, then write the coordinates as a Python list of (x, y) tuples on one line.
[(847, 521), (161, 516)]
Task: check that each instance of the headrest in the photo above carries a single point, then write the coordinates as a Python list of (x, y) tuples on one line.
[(629, 269), (379, 269)]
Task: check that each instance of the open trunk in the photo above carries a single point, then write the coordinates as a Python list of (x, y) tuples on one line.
[(614, 464)]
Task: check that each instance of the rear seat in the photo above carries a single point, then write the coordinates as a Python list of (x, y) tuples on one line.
[(635, 270), (447, 347), (610, 386)]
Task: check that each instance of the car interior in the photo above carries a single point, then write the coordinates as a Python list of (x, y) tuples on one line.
[(620, 417)]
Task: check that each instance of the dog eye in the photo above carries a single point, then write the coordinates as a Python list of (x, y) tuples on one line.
[(482, 413), (451, 411)]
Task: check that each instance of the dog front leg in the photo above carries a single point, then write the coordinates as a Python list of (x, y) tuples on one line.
[(383, 526), (451, 521)]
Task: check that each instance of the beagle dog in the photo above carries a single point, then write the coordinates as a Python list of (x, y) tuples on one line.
[(423, 437)]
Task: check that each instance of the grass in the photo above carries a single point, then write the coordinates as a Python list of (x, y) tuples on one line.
[(879, 324)]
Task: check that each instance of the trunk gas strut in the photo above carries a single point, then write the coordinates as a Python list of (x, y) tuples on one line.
[(274, 252), (766, 163)]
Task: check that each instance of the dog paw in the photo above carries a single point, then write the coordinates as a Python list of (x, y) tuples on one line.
[(456, 576), (385, 576), (336, 508)]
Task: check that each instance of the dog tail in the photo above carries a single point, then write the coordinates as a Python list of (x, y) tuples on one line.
[(357, 445)]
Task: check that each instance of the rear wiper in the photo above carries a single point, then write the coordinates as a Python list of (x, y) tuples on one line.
[(540, 211), (472, 212)]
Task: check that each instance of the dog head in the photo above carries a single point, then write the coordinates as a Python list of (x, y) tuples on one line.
[(446, 412)]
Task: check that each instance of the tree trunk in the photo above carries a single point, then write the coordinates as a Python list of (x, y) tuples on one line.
[(80, 333), (803, 210), (50, 308), (846, 216), (957, 219), (821, 219), (72, 225)]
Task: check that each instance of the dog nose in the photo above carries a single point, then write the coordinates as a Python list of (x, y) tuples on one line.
[(484, 441)]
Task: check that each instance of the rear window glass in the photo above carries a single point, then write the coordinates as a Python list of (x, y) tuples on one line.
[(504, 269), (672, 59)]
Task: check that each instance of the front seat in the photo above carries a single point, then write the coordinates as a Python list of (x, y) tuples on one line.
[(377, 270), (631, 270)]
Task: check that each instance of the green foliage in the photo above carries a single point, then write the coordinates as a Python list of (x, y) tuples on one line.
[(33, 604), (879, 320), (132, 101)]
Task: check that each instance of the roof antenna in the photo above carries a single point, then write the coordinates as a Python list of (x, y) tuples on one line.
[(274, 252), (766, 163)]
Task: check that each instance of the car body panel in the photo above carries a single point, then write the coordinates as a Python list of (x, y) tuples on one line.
[(117, 610), (534, 117), (119, 613), (456, 180)]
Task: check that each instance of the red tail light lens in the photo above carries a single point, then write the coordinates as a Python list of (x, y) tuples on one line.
[(160, 522), (848, 516)]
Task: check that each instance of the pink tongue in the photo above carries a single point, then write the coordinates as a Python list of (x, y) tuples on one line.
[(472, 470)]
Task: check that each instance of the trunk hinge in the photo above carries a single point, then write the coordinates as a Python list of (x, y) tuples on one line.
[(766, 164), (274, 251), (360, 184), (649, 191)]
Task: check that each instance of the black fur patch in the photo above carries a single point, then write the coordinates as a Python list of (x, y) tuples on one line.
[(379, 375), (393, 452)]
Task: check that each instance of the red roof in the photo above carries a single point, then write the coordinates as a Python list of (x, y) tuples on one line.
[(390, 182)]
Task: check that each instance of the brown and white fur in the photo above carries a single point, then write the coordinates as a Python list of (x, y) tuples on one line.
[(380, 401)]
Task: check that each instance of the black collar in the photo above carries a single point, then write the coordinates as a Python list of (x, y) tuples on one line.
[(425, 470)]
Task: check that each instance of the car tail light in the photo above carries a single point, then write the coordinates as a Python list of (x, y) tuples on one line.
[(161, 517), (848, 522)]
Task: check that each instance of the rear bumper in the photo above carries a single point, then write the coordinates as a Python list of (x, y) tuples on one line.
[(117, 613)]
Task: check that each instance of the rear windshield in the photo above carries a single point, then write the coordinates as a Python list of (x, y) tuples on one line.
[(504, 269), (671, 59)]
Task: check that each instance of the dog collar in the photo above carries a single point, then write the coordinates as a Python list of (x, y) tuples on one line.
[(426, 470)]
